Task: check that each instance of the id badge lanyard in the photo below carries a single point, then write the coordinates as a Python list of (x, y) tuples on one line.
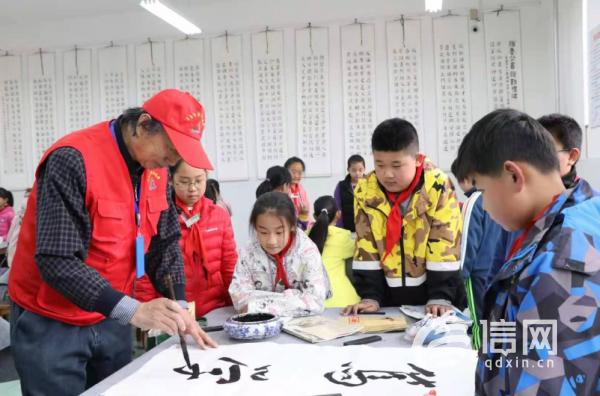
[(139, 239)]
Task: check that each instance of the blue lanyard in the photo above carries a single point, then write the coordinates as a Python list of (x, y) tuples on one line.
[(136, 189), (140, 266)]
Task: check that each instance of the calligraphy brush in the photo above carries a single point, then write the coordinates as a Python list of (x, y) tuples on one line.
[(182, 342)]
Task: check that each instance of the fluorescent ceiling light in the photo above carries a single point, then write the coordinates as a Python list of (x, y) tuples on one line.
[(433, 5), (170, 16)]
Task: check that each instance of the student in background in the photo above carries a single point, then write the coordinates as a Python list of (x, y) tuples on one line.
[(344, 191), (7, 215), (567, 137), (479, 249), (278, 179), (15, 227), (552, 269), (408, 228), (213, 192), (298, 194), (280, 271), (207, 243), (336, 246), (7, 212)]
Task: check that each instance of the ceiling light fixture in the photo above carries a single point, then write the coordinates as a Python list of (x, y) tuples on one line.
[(433, 5), (170, 16)]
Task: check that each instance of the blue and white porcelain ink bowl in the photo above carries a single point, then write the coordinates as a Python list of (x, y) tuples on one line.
[(253, 326)]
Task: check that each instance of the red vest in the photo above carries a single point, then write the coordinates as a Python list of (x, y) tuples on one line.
[(209, 253), (109, 200)]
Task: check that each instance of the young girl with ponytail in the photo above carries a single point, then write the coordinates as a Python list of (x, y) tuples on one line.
[(336, 246)]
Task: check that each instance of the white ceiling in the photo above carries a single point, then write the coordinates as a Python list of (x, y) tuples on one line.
[(26, 25), (32, 11)]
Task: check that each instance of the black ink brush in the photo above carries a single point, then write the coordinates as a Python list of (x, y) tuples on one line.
[(182, 342)]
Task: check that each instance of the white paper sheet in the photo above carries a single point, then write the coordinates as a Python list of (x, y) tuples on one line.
[(451, 44), (269, 99), (358, 77), (12, 94), (112, 70), (150, 65), (405, 73), (228, 89), (290, 369), (188, 59), (312, 85), (503, 56), (42, 87), (77, 66)]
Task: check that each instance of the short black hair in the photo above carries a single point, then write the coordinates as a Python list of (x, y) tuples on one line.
[(505, 135), (292, 160), (454, 169), (277, 176), (278, 203), (564, 129), (4, 193), (213, 190), (395, 134), (355, 159), (130, 118), (173, 169)]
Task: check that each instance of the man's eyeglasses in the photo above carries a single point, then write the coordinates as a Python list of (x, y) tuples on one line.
[(563, 151)]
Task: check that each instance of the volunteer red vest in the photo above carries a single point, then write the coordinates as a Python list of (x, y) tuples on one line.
[(109, 200), (209, 267)]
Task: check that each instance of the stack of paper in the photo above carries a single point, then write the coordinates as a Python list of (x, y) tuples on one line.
[(379, 324), (318, 328)]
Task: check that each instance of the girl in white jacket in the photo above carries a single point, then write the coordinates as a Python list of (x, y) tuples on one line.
[(280, 271)]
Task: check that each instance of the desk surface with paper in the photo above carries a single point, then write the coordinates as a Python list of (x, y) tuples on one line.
[(219, 316)]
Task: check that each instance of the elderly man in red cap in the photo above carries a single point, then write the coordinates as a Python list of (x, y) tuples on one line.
[(100, 214)]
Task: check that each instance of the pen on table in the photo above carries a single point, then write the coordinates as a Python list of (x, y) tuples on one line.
[(372, 313), (362, 341)]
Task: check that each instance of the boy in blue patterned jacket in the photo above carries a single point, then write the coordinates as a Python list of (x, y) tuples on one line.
[(542, 333)]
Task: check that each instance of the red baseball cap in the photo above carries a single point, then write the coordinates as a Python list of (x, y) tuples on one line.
[(182, 117)]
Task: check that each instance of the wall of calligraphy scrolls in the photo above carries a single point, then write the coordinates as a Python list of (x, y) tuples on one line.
[(273, 94), (276, 369), (594, 81)]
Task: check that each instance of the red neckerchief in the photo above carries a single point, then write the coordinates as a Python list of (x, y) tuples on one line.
[(394, 221), (281, 275), (519, 241), (193, 244)]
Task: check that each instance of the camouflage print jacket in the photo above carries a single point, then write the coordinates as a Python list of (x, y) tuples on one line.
[(555, 276), (424, 266)]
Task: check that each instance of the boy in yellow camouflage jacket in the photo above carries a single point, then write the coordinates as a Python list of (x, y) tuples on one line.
[(408, 228)]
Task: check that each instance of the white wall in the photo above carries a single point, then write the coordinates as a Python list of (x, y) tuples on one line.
[(247, 16), (589, 168)]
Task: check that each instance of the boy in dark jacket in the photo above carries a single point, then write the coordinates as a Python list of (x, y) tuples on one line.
[(479, 251), (542, 329)]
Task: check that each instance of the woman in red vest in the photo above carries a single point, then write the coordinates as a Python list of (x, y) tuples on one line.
[(207, 243), (99, 213)]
